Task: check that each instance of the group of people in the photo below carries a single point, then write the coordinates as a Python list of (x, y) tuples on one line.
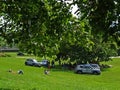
[(19, 71)]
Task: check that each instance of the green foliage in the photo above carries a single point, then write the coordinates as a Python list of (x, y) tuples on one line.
[(40, 23), (47, 28), (103, 16), (81, 46), (2, 41)]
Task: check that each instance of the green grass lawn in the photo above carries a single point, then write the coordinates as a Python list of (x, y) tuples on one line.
[(35, 79)]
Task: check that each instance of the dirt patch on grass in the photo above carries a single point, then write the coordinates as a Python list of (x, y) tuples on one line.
[(4, 55)]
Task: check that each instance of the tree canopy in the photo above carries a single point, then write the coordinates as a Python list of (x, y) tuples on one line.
[(47, 27), (103, 16)]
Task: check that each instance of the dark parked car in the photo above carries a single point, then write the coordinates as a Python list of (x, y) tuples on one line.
[(20, 54), (32, 62), (44, 62)]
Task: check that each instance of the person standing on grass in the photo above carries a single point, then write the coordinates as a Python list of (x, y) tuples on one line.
[(48, 64), (53, 64)]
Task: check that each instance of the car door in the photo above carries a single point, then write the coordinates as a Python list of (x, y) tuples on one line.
[(87, 69), (30, 62)]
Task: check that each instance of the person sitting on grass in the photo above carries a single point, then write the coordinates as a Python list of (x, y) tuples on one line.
[(46, 71), (20, 72), (10, 70)]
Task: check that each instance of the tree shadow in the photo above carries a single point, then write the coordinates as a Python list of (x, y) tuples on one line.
[(105, 67), (61, 68), (4, 55)]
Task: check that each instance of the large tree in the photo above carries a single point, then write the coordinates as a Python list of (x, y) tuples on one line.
[(83, 47), (46, 27)]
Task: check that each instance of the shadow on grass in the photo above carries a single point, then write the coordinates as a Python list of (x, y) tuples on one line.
[(61, 69), (4, 55), (105, 67)]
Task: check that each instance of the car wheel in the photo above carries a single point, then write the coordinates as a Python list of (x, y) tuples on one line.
[(96, 73), (79, 72), (33, 64), (26, 63)]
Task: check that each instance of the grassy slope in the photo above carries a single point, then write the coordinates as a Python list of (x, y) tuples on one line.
[(34, 78)]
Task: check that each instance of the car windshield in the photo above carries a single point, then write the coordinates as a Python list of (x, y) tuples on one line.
[(44, 60), (95, 65), (34, 60)]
